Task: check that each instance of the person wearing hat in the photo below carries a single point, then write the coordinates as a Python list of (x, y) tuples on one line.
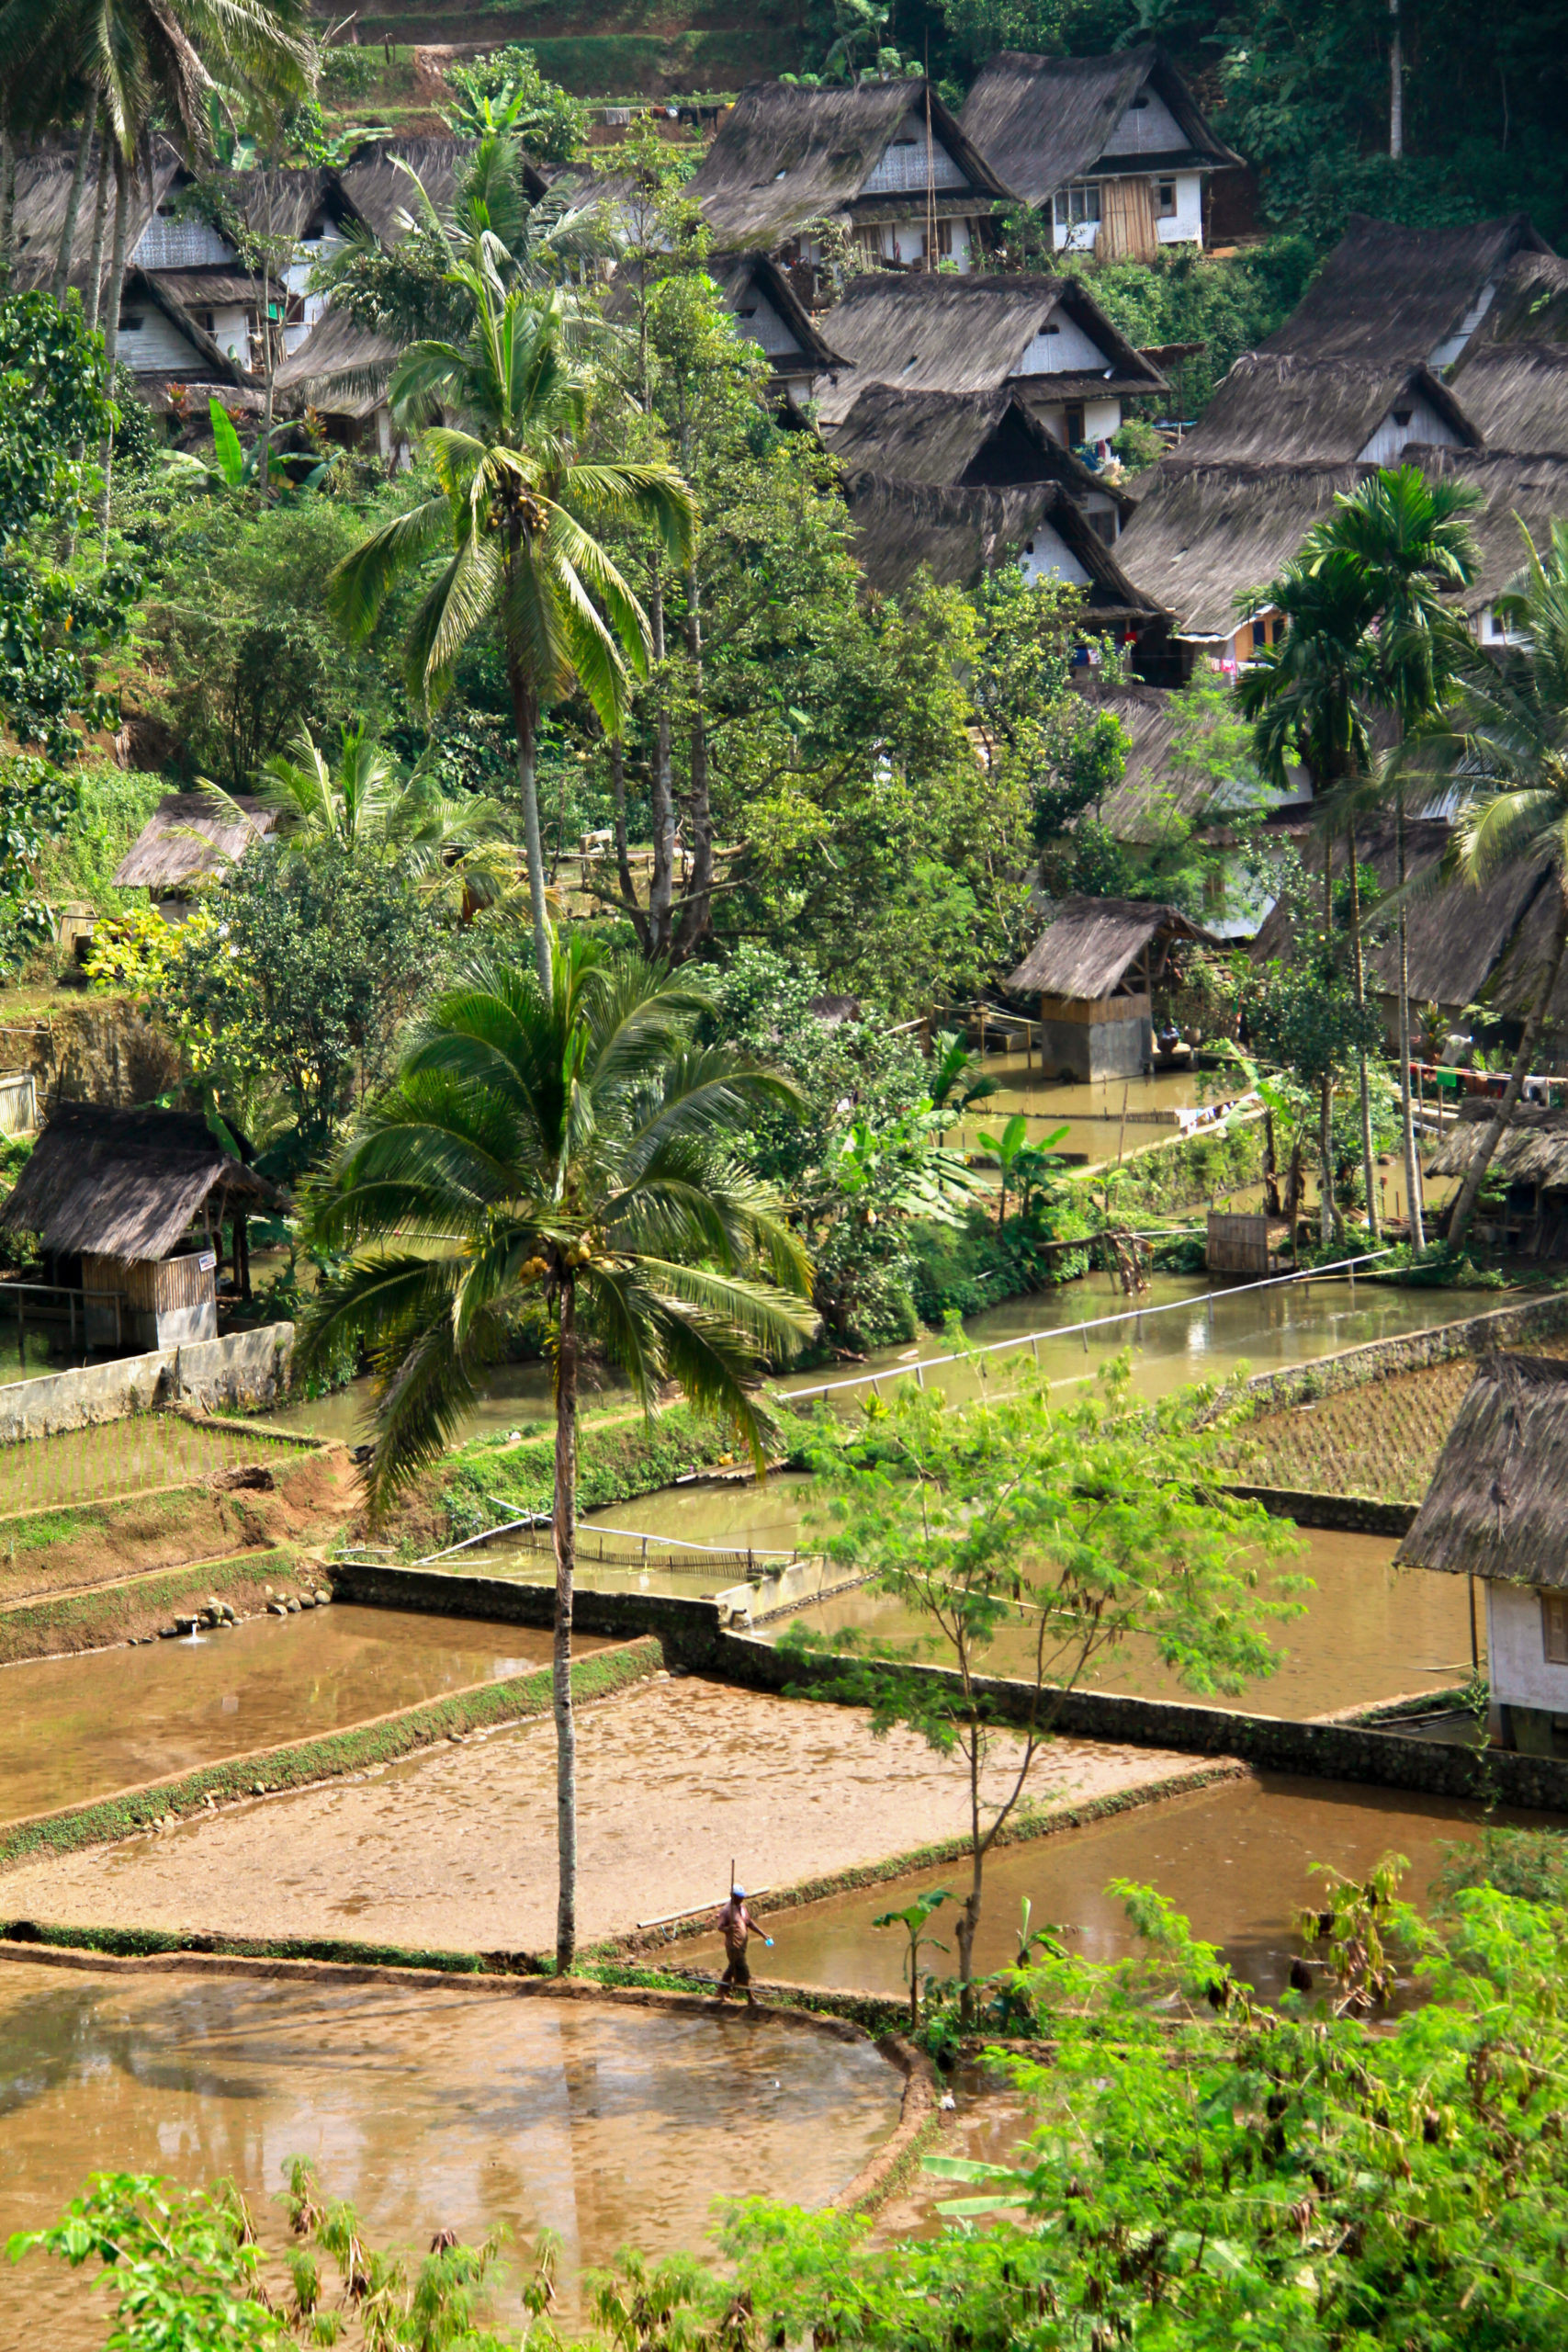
[(735, 1925)]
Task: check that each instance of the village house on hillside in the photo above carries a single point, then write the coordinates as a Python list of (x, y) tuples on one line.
[(1094, 969), (884, 163), (1494, 1511), (191, 837), (1114, 150)]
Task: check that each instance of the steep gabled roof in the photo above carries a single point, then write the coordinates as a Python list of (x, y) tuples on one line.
[(786, 156), (1045, 121), (1518, 394), (167, 289), (280, 203), (1532, 304), (1086, 948), (190, 834), (980, 440), (942, 332), (341, 366), (43, 189), (1389, 295), (1281, 408), (1516, 492), (378, 188), (1200, 535), (741, 277), (1497, 1504), (964, 534)]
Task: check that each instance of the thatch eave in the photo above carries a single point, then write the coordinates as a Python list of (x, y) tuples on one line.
[(1494, 1507)]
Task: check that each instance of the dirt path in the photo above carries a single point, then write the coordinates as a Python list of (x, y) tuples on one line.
[(457, 1848)]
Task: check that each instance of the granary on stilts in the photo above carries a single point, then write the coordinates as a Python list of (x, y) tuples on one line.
[(128, 1208), (1494, 1511), (1095, 968)]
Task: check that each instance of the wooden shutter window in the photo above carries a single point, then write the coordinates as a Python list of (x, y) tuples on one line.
[(1554, 1627)]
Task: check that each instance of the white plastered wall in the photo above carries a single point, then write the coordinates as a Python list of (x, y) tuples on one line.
[(1046, 556), (1185, 225), (1521, 1676)]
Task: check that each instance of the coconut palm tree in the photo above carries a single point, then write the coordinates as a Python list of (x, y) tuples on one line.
[(1305, 696), (513, 514), (581, 1149), (361, 805), (1507, 741), (1409, 545)]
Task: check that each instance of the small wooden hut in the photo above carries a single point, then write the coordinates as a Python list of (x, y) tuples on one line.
[(1095, 968), (1531, 1157), (1494, 1509), (190, 837), (137, 1200)]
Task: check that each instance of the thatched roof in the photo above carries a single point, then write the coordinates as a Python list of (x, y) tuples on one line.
[(278, 203), (1200, 535), (341, 367), (122, 1184), (171, 292), (786, 156), (989, 439), (1089, 945), (1515, 491), (1494, 1507), (1532, 303), (187, 835), (378, 188), (964, 534), (1517, 395), (1281, 408), (44, 187), (1042, 121), (1152, 791), (1388, 295), (753, 284), (1458, 936), (1533, 1148), (948, 334)]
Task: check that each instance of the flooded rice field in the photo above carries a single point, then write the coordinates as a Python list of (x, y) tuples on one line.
[(74, 1728), (425, 2107), (1235, 1859), (455, 1847), (1371, 1633)]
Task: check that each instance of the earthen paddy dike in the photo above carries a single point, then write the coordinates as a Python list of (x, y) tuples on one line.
[(75, 1728), (425, 2106), (457, 1849)]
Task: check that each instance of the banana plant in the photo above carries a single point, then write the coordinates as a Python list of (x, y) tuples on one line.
[(912, 1920), (1015, 1156)]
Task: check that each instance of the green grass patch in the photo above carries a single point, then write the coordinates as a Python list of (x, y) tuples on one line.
[(1183, 1174), (616, 1461), (518, 1700), (93, 1619)]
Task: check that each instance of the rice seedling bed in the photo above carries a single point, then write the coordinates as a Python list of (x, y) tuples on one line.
[(133, 1456)]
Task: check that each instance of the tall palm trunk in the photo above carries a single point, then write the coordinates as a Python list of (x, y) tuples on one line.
[(662, 883), (1470, 1191), (561, 1672), (7, 206), (696, 908), (100, 226), (1369, 1168), (623, 847), (525, 719), (1326, 1093), (1406, 1117), (111, 318), (67, 253)]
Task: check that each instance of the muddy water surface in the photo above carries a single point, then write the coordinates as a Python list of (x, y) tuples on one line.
[(423, 2109), (1370, 1632), (71, 1728), (1234, 1859)]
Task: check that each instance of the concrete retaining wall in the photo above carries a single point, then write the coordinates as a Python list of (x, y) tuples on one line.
[(248, 1368), (696, 1637)]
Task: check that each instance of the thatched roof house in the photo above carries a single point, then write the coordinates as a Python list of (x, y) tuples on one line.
[(978, 439), (1517, 395), (1494, 1510), (341, 369), (1283, 408), (768, 313), (1532, 1150), (786, 159), (44, 187), (120, 1191), (1046, 339), (188, 837), (379, 181), (1094, 968), (1118, 143), (964, 534), (1389, 296), (1202, 535), (1530, 304)]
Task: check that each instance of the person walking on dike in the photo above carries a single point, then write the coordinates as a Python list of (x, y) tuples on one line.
[(735, 1925)]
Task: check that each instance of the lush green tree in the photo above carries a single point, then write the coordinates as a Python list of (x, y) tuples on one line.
[(1508, 740), (1084, 1525), (515, 501), (551, 123), (583, 1150), (1406, 545)]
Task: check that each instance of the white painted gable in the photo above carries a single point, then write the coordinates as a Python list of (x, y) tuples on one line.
[(902, 163), (1060, 347), (1148, 128), (757, 317), (1045, 555), (1411, 418)]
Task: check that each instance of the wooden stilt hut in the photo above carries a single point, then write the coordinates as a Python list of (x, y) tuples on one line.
[(1095, 967), (130, 1205), (1494, 1511)]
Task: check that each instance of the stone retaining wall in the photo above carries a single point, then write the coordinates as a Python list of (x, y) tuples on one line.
[(695, 1637), (245, 1369), (1355, 1514)]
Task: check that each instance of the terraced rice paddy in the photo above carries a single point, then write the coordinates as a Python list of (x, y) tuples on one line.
[(133, 1456)]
